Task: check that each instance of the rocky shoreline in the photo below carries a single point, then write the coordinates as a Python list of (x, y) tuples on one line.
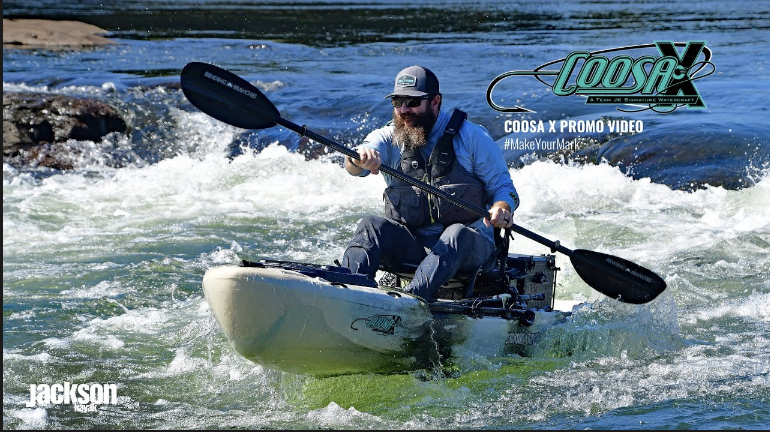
[(38, 126), (47, 34)]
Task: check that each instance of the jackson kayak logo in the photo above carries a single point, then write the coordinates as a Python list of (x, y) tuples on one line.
[(661, 83), (382, 324), (83, 397)]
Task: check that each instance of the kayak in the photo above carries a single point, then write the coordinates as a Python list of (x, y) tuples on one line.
[(322, 320)]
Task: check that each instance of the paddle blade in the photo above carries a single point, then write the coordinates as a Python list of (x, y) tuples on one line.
[(227, 97), (616, 277)]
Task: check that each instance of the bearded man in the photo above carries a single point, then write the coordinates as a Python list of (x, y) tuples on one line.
[(419, 229)]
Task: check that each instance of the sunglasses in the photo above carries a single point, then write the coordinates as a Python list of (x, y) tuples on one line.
[(410, 102)]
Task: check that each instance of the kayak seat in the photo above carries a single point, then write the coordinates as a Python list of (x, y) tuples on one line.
[(462, 285), (526, 275)]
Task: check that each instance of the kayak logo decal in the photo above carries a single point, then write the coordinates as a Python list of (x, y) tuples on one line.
[(664, 82), (382, 324), (522, 338)]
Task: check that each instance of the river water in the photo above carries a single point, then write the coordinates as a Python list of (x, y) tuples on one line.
[(102, 265)]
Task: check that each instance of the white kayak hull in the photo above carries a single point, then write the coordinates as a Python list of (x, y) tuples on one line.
[(286, 320), (292, 322)]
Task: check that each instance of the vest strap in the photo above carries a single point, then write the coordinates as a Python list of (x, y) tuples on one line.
[(443, 156), (457, 119)]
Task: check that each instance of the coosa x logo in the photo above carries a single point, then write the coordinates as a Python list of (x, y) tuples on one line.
[(663, 83)]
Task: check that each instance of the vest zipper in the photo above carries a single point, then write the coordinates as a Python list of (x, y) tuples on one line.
[(430, 202)]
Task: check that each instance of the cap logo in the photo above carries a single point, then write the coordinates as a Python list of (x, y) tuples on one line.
[(406, 80)]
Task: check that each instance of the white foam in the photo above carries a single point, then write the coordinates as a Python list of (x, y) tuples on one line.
[(334, 416), (33, 418)]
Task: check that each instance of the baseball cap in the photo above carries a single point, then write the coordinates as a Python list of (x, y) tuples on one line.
[(415, 81)]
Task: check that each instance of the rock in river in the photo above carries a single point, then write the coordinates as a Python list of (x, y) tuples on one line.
[(691, 156), (42, 130)]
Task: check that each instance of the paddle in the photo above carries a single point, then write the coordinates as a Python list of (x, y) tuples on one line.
[(233, 100)]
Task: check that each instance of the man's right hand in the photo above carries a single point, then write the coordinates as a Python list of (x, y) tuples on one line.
[(367, 159)]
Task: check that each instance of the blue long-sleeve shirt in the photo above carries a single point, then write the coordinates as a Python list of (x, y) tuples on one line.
[(475, 150)]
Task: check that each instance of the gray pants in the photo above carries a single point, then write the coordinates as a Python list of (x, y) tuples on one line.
[(387, 244)]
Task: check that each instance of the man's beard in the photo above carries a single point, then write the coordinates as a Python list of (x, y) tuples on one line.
[(413, 136)]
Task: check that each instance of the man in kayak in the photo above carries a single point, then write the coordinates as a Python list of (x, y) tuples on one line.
[(420, 229)]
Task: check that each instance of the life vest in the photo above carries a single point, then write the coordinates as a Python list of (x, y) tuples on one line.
[(413, 206)]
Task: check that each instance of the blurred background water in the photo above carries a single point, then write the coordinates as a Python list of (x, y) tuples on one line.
[(102, 264)]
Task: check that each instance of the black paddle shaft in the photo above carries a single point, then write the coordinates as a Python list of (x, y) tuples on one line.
[(233, 100)]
